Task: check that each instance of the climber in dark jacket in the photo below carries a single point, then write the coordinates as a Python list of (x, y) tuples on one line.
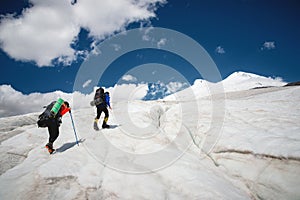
[(53, 125), (102, 100)]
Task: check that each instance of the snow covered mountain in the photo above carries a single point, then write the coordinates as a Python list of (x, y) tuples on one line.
[(237, 81), (245, 81), (166, 149)]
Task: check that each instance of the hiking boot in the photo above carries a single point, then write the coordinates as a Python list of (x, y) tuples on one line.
[(49, 146), (105, 126), (96, 126)]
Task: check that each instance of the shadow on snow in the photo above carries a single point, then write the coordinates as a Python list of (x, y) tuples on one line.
[(113, 126), (67, 146)]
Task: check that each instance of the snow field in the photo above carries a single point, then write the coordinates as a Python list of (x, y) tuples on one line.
[(241, 145)]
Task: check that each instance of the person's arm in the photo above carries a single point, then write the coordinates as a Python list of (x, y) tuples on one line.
[(64, 110)]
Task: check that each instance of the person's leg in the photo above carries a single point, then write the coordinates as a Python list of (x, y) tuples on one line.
[(99, 111), (53, 130), (104, 124)]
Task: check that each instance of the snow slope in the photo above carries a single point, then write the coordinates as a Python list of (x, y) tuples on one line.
[(157, 150)]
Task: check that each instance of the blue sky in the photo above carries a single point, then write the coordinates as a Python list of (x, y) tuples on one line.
[(260, 37)]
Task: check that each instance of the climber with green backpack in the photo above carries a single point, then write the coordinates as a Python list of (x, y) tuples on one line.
[(51, 118)]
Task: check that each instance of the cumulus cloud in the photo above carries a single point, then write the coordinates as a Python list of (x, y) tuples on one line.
[(175, 86), (268, 46), (146, 36), (161, 42), (220, 50), (87, 83), (94, 48), (45, 32), (129, 78), (13, 102), (116, 47)]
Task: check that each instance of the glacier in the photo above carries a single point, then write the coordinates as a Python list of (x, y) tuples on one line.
[(163, 149)]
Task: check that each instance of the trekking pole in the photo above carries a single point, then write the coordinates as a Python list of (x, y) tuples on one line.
[(74, 128)]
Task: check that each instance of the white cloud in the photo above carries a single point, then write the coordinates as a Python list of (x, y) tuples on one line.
[(268, 45), (116, 47), (87, 83), (10, 98), (129, 78), (175, 86), (128, 92), (95, 50), (45, 31), (10, 101), (161, 42), (220, 50), (146, 36)]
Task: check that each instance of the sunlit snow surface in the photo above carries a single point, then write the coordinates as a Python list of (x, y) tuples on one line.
[(154, 150)]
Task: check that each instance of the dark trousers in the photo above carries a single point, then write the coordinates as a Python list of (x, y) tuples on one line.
[(101, 109), (53, 129)]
